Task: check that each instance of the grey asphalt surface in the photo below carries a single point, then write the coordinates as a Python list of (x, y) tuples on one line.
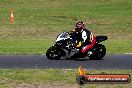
[(40, 61)]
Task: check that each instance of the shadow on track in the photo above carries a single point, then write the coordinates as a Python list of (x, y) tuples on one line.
[(81, 59)]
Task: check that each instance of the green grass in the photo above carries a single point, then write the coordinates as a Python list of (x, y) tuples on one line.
[(15, 77), (24, 46), (43, 20), (118, 46)]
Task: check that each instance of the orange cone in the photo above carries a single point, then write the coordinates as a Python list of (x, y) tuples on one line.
[(12, 17)]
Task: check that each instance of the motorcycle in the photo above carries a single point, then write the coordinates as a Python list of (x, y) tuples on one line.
[(64, 48)]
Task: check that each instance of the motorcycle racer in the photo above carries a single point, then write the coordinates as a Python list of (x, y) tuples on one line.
[(85, 39)]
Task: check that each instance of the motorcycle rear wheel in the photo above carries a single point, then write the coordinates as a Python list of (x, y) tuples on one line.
[(99, 52)]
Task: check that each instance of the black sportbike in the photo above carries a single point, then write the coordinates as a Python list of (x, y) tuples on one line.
[(64, 48)]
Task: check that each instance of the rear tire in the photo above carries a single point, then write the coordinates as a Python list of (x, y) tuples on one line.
[(99, 52), (54, 53)]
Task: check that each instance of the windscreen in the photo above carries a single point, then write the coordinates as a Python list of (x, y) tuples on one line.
[(64, 35)]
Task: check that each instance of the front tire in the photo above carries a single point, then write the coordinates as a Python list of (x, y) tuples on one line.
[(99, 52), (54, 53)]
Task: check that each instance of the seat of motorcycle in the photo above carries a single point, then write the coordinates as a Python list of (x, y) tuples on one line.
[(101, 38)]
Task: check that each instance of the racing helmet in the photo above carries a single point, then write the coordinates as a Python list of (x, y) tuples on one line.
[(79, 26)]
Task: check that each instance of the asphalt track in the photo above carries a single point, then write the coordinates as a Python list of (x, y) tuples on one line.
[(40, 61)]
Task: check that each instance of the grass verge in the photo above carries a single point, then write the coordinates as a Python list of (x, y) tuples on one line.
[(56, 77)]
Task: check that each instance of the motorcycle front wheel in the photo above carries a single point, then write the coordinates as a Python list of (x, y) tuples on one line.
[(54, 53)]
